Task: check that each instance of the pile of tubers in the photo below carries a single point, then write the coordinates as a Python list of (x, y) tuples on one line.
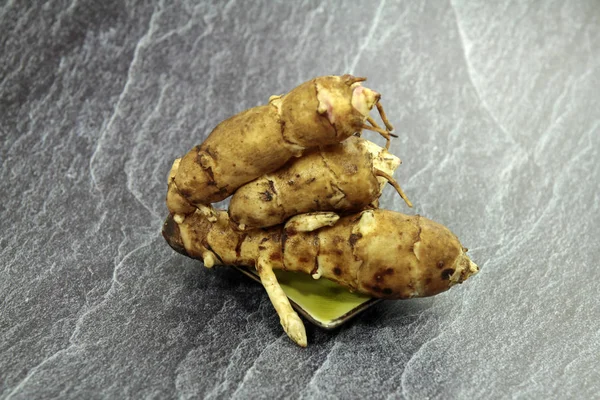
[(305, 189)]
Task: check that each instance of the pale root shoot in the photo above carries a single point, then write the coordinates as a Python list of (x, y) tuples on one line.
[(311, 221), (290, 321), (210, 259)]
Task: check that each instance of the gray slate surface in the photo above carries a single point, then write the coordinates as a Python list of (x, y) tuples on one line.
[(497, 110)]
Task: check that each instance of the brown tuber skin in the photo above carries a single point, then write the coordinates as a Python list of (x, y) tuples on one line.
[(340, 177), (380, 253), (322, 111)]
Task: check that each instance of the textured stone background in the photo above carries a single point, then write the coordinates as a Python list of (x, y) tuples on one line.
[(497, 110)]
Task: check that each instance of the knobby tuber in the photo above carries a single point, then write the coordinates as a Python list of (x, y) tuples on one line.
[(322, 111), (345, 177), (380, 253)]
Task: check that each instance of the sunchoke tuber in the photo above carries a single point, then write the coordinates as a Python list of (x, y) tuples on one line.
[(381, 253), (344, 177)]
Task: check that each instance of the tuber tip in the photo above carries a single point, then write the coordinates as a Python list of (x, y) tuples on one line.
[(465, 269)]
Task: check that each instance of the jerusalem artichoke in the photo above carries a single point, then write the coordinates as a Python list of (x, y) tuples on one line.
[(342, 177), (380, 253)]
